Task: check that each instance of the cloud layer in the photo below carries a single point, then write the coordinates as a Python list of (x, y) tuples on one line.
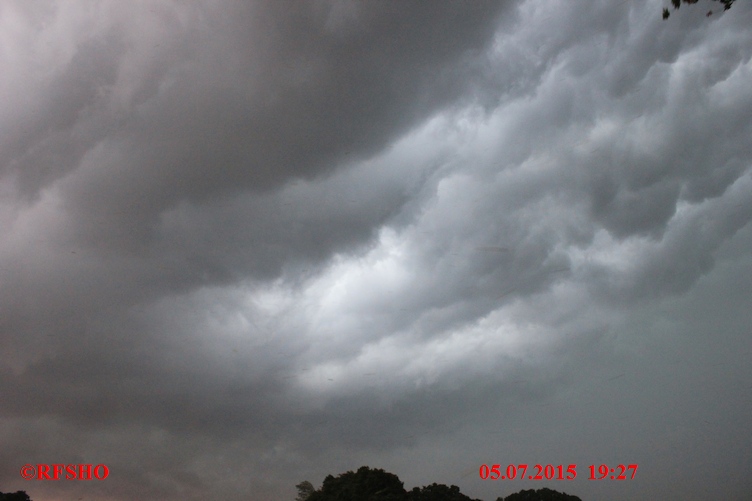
[(246, 245)]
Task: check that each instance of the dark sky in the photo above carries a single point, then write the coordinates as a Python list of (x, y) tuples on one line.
[(246, 244)]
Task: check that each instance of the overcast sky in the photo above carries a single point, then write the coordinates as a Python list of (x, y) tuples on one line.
[(246, 244)]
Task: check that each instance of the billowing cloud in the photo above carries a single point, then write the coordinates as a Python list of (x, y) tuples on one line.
[(250, 244)]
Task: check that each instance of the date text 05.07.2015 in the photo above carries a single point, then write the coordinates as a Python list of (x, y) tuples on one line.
[(555, 472)]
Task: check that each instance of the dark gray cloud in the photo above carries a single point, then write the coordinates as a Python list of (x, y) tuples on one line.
[(246, 245)]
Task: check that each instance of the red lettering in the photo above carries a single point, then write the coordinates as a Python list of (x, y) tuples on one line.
[(81, 473), (43, 472), (71, 471), (104, 475)]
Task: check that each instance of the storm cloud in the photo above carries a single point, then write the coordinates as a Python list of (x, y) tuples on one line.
[(246, 244)]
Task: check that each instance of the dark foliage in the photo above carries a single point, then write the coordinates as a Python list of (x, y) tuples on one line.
[(437, 492), (305, 489), (371, 484), (539, 495), (364, 485), (15, 496), (677, 3)]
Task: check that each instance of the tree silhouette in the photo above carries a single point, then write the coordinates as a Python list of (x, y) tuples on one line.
[(677, 3), (437, 492), (15, 496), (539, 495), (364, 485), (305, 489), (372, 484)]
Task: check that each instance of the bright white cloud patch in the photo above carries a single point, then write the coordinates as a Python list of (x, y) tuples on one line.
[(245, 245)]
